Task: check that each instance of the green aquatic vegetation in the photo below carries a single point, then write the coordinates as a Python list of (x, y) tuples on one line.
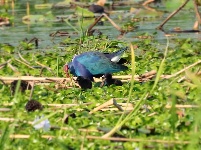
[(6, 48), (129, 26), (158, 119)]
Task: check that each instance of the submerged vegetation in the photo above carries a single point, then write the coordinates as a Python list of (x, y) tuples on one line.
[(157, 107)]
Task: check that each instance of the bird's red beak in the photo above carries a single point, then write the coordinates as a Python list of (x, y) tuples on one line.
[(66, 71)]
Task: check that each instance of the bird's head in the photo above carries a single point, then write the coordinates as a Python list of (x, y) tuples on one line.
[(69, 68), (66, 70)]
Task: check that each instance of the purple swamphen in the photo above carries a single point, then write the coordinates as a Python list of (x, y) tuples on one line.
[(95, 64)]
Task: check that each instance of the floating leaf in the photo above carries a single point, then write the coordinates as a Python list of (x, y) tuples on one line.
[(30, 19), (65, 3), (43, 6)]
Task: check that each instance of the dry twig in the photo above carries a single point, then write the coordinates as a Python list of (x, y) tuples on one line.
[(92, 25), (141, 78), (110, 20), (147, 2), (181, 71), (4, 64), (24, 63), (22, 136), (12, 67), (171, 15), (48, 68), (19, 54), (112, 101), (197, 11), (114, 24), (32, 90)]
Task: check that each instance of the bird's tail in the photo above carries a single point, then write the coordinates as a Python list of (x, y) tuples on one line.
[(116, 56), (120, 52)]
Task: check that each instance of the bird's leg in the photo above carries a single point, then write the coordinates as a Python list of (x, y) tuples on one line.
[(103, 81)]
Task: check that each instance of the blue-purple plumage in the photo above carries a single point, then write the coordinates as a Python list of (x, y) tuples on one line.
[(90, 64)]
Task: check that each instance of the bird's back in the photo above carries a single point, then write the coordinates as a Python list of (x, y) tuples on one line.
[(98, 63)]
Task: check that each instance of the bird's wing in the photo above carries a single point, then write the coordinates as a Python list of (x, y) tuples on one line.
[(96, 63), (81, 70)]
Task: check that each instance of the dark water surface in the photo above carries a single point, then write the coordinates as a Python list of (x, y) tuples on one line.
[(149, 20)]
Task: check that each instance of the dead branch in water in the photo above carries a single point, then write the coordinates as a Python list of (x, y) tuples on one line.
[(171, 15), (197, 11), (109, 19)]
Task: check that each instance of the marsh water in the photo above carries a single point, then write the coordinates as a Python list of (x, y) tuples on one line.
[(148, 18)]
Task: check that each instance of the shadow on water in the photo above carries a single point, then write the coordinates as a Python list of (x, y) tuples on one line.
[(133, 17)]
